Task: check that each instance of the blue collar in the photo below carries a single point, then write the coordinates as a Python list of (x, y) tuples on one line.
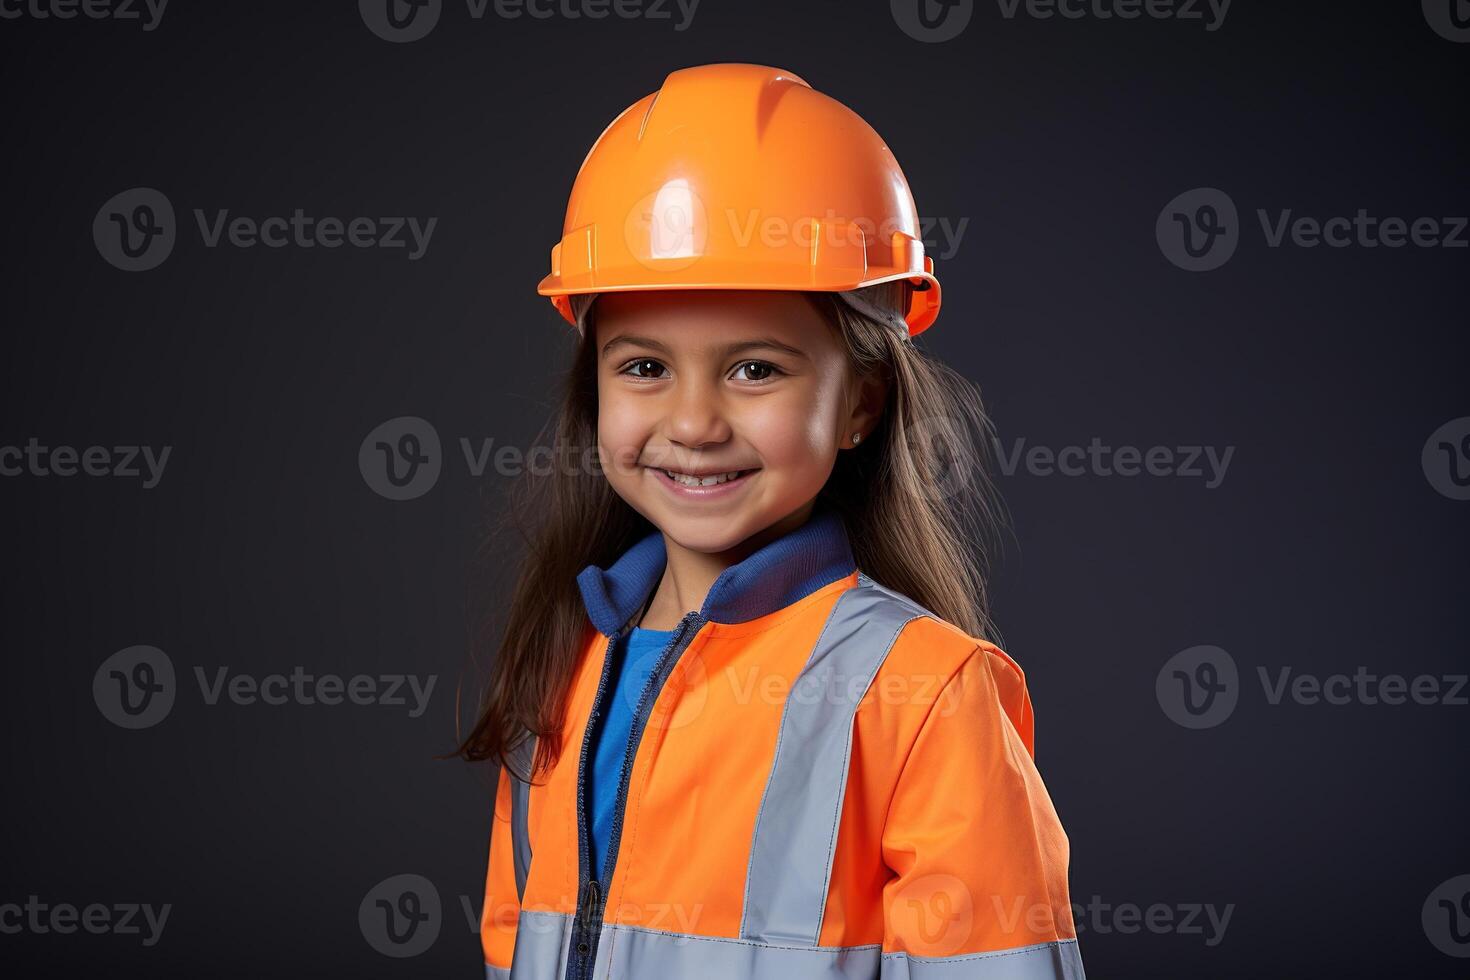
[(774, 576)]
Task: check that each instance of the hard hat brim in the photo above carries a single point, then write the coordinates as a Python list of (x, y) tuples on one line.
[(923, 309)]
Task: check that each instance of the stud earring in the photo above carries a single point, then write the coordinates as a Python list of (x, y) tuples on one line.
[(855, 437)]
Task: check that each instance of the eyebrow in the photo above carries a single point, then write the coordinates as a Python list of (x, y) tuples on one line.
[(744, 345)]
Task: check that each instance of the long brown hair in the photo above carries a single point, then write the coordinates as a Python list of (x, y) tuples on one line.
[(915, 497)]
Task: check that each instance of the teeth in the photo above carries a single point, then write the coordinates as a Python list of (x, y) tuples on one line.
[(708, 481)]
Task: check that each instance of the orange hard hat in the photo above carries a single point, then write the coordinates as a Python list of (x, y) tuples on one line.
[(735, 176)]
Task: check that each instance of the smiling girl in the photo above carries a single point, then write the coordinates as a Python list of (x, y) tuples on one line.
[(747, 717)]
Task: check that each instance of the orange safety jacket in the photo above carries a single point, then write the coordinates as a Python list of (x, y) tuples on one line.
[(823, 780)]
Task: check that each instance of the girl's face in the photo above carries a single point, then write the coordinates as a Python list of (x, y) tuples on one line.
[(705, 383)]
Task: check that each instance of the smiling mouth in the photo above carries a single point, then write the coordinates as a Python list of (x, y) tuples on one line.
[(712, 480)]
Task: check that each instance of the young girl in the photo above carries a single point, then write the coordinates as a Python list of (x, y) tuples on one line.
[(747, 719)]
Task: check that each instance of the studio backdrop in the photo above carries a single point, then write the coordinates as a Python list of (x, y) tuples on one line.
[(273, 358)]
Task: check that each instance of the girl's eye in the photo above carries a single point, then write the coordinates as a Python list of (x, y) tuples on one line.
[(762, 370), (636, 368)]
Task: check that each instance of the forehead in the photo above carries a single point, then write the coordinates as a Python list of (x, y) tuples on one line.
[(692, 318)]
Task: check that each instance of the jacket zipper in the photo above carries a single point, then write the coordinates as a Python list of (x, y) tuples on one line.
[(591, 897)]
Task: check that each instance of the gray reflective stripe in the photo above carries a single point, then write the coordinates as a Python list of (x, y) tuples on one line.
[(543, 942), (1044, 961), (649, 954), (795, 834), (542, 939), (520, 804), (496, 972)]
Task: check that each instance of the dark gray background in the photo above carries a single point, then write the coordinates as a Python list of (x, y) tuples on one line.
[(1325, 548)]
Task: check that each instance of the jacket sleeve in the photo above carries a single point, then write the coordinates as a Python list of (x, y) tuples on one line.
[(501, 911), (978, 854)]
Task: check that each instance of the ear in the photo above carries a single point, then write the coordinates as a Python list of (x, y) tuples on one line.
[(867, 396)]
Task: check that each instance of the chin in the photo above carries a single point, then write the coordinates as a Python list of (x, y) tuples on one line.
[(709, 533)]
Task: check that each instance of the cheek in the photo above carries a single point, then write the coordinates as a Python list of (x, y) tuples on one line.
[(621, 433), (793, 431)]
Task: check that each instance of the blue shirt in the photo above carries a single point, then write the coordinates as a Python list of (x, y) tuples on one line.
[(633, 659)]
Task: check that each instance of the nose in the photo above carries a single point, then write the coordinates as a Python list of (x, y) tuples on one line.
[(696, 417)]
